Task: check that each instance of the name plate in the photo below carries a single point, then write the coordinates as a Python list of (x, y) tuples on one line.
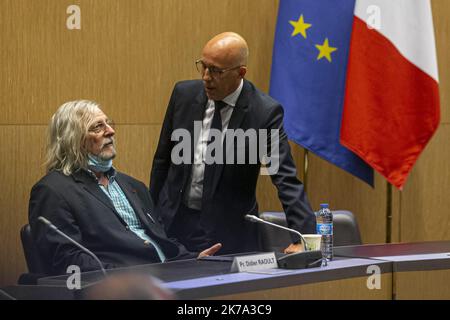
[(254, 262)]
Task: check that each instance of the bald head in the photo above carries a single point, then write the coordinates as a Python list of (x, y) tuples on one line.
[(228, 53), (229, 46)]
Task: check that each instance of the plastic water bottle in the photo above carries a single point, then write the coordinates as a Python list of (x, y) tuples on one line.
[(325, 228)]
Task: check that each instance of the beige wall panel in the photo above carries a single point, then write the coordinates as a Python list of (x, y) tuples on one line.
[(21, 159), (136, 145), (126, 55), (425, 200), (298, 153), (441, 12), (422, 285), (348, 289), (266, 192), (328, 183), (267, 196), (396, 214), (425, 195)]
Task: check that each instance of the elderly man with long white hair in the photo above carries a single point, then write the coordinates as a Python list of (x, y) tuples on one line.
[(108, 212)]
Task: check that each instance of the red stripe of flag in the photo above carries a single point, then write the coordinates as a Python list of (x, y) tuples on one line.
[(391, 107)]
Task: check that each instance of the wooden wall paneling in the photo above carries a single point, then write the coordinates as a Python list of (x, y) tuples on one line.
[(267, 193), (396, 215), (21, 159), (422, 285), (344, 289), (425, 200), (135, 146), (298, 153), (328, 183), (441, 12), (126, 56)]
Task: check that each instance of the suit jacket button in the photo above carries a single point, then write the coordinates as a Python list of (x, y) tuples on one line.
[(147, 243), (127, 227)]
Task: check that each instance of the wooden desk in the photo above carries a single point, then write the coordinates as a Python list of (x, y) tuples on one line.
[(343, 278), (420, 270), (407, 271)]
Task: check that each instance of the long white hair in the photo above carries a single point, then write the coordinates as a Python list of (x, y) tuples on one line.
[(66, 136)]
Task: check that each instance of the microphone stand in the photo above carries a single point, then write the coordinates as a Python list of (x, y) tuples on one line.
[(253, 218), (298, 260)]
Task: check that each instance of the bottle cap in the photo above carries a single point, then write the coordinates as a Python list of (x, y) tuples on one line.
[(324, 205)]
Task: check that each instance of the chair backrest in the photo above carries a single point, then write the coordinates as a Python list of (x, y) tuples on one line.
[(274, 239), (345, 230), (35, 262)]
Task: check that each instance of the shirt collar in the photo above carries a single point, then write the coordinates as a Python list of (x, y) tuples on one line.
[(110, 174), (232, 98)]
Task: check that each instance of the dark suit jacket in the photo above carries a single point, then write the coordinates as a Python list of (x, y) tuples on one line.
[(79, 208), (233, 192)]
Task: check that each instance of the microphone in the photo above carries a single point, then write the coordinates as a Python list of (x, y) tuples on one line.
[(253, 218), (298, 260), (5, 295), (54, 228)]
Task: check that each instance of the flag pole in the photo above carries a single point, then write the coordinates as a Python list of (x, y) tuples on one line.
[(388, 213), (305, 170)]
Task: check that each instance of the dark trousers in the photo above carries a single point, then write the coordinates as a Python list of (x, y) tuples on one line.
[(187, 230)]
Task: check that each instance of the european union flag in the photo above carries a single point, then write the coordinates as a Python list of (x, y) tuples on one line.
[(309, 69)]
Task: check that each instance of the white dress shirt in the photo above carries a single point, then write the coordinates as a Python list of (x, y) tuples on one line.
[(194, 192)]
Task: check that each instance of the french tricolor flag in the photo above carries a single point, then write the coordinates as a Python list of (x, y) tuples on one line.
[(391, 104)]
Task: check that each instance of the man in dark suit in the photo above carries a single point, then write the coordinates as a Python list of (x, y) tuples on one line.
[(107, 211), (201, 202)]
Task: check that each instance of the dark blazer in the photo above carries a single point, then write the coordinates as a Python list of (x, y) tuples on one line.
[(79, 208), (232, 194)]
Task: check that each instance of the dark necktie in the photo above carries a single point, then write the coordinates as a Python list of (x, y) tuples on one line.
[(215, 124), (217, 119)]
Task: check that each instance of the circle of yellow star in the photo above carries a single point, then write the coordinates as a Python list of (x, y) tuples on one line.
[(299, 27), (325, 50)]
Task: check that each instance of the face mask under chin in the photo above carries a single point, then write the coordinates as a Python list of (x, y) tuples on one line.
[(98, 164)]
